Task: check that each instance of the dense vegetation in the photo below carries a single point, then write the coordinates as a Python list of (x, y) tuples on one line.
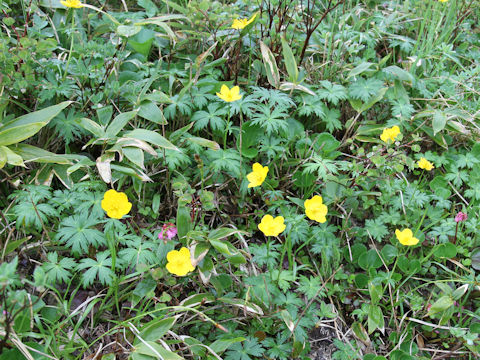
[(203, 179)]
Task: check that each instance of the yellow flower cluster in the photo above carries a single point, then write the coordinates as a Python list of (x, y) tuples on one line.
[(240, 24), (76, 4), (115, 204), (389, 134), (315, 209), (258, 175), (405, 237), (425, 164), (179, 262), (229, 95)]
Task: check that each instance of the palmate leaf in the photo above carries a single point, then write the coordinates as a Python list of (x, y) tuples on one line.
[(311, 105), (310, 286), (175, 159), (214, 116), (58, 271), (30, 215), (321, 166), (278, 348), (274, 98), (35, 193), (138, 252), (333, 93), (272, 121), (265, 255), (245, 349), (101, 269), (224, 160), (78, 232), (364, 89)]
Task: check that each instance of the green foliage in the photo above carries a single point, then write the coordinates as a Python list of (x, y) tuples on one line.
[(320, 82)]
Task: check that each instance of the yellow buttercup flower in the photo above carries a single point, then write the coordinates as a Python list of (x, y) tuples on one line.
[(116, 204), (406, 237), (390, 134), (229, 95), (425, 164), (315, 209), (76, 4), (443, 0), (272, 226), (239, 24), (258, 175), (179, 262)]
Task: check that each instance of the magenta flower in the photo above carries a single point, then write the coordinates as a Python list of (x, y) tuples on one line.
[(169, 231), (461, 217)]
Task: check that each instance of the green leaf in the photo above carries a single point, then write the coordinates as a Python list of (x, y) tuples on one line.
[(150, 111), (439, 121), (290, 62), (219, 346), (150, 350), (359, 69), (222, 233), (155, 329), (273, 76), (91, 126), (184, 221), (128, 30), (375, 319), (442, 304), (119, 123), (151, 137), (12, 158)]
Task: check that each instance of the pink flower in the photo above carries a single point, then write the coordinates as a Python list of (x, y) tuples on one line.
[(461, 217), (169, 231)]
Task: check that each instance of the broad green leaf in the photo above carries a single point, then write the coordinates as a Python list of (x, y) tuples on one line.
[(219, 346), (151, 137), (184, 221), (135, 155), (270, 64), (290, 62), (155, 329), (150, 111), (150, 350), (204, 142), (439, 121), (359, 69), (17, 134), (92, 127), (40, 116), (222, 233), (221, 247), (443, 303), (3, 156), (13, 158), (35, 154), (375, 319), (128, 30), (119, 123)]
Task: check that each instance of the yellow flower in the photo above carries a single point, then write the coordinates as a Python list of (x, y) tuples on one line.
[(406, 237), (258, 175), (116, 204), (71, 3), (315, 209), (390, 134), (270, 226), (239, 24), (179, 262), (425, 164), (229, 95), (443, 0)]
